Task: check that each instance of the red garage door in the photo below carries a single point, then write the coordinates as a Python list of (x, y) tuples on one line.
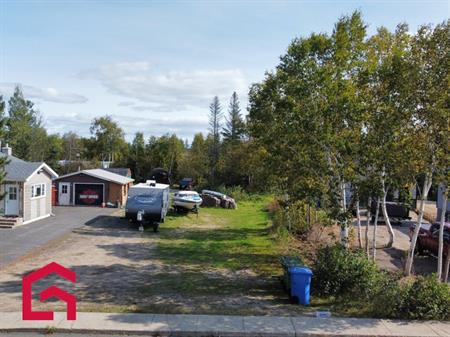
[(88, 194)]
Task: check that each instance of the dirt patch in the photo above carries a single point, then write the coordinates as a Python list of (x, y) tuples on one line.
[(393, 259)]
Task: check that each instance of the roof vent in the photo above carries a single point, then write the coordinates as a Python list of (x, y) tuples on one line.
[(151, 182)]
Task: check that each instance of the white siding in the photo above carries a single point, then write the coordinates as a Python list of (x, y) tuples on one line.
[(41, 206)]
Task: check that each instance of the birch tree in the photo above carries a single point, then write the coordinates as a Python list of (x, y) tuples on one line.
[(430, 78), (387, 124)]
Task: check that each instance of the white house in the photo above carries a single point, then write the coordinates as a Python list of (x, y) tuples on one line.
[(27, 190)]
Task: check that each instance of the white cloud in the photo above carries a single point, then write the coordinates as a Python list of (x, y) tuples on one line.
[(125, 103), (183, 127), (44, 94), (173, 90)]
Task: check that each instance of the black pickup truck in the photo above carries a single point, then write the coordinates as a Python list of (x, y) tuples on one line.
[(396, 212)]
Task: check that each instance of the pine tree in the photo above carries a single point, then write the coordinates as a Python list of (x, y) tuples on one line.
[(234, 128), (215, 120), (24, 131)]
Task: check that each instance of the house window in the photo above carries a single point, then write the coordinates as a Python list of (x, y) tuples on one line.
[(38, 190), (12, 193), (64, 189)]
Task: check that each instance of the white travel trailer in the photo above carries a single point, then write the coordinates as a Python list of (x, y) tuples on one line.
[(150, 200)]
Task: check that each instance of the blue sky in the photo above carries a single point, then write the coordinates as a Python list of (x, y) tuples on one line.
[(154, 66)]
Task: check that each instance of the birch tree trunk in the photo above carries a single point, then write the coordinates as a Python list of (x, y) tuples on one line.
[(369, 215), (375, 225), (358, 222), (344, 229), (412, 247), (447, 266), (387, 221), (441, 233)]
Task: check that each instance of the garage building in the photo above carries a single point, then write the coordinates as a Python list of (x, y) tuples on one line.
[(94, 187)]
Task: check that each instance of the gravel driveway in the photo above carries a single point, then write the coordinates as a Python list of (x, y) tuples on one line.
[(99, 253), (21, 241)]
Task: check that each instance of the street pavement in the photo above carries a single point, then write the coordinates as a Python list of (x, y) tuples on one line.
[(20, 241)]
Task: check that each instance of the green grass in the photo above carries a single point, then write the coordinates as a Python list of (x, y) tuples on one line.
[(221, 238), (219, 254)]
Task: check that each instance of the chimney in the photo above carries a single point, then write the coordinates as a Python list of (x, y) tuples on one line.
[(7, 150)]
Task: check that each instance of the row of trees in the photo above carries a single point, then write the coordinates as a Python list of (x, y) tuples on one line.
[(225, 156), (346, 108)]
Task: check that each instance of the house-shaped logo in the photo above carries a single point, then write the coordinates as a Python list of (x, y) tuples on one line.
[(53, 291)]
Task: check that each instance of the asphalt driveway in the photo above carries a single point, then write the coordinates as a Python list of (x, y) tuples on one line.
[(20, 241)]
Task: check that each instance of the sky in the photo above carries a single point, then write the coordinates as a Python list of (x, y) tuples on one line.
[(154, 66)]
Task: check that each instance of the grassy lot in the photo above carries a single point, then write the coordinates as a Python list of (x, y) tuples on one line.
[(221, 238), (227, 260)]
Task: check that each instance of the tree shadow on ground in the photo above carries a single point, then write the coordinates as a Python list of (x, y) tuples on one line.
[(160, 289)]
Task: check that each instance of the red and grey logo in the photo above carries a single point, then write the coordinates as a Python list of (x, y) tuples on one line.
[(89, 196)]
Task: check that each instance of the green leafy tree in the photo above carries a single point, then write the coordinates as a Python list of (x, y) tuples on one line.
[(430, 107), (54, 151), (387, 125), (108, 139), (3, 160), (72, 147), (166, 152), (195, 163), (307, 115)]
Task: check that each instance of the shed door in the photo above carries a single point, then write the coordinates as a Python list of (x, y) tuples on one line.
[(12, 200), (64, 194), (88, 194)]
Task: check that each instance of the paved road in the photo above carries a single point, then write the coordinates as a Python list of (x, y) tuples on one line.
[(17, 242)]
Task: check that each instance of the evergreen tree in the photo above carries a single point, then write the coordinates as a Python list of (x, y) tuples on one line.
[(234, 127), (215, 120), (25, 133), (137, 159)]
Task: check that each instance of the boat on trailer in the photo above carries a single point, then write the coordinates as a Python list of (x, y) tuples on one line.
[(188, 200)]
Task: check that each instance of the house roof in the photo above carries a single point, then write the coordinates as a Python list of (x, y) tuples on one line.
[(123, 171), (20, 170), (102, 174)]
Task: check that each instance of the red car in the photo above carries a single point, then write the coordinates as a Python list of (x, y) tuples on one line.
[(428, 240)]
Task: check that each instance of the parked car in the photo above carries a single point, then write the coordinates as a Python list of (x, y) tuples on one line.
[(186, 183), (428, 239)]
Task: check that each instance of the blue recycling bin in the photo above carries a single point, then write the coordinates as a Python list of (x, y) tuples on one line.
[(300, 283)]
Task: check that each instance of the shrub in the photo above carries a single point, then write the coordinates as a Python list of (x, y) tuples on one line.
[(418, 298), (293, 218), (236, 192), (273, 207), (342, 272), (388, 296), (426, 298)]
